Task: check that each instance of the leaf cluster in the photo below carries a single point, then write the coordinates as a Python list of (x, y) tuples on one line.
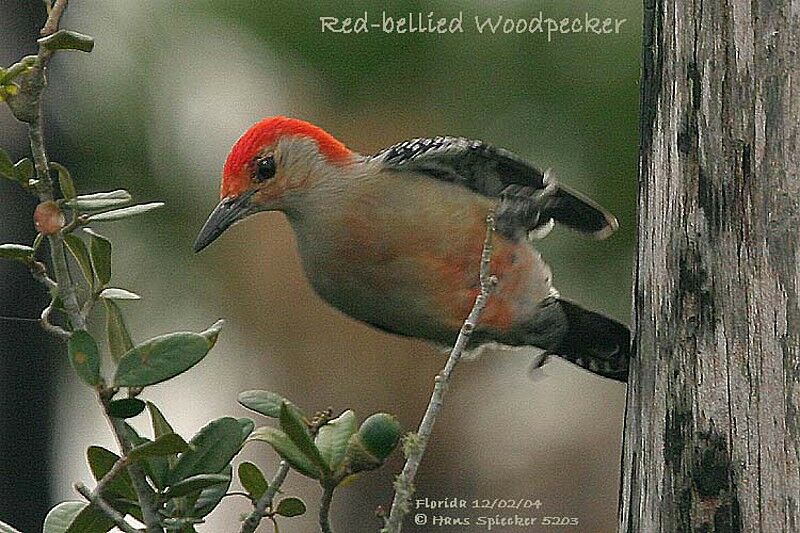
[(329, 450)]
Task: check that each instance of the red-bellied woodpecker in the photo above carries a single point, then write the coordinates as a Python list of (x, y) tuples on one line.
[(394, 239)]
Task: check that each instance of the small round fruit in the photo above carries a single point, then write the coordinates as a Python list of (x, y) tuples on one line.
[(48, 218), (380, 434)]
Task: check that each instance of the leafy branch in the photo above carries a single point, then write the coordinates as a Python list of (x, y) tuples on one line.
[(264, 502), (165, 482), (328, 450)]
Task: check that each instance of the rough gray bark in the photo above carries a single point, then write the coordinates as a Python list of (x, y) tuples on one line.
[(711, 430)]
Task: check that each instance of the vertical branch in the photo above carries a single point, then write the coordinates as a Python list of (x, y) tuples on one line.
[(404, 485), (31, 112)]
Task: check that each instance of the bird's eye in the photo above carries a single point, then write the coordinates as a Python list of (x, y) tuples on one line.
[(265, 169)]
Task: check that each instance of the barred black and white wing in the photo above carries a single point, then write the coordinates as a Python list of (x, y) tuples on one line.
[(529, 198)]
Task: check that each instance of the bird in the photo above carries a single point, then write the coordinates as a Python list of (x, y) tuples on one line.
[(394, 239)]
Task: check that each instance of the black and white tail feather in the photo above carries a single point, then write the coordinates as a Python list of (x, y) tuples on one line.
[(585, 338)]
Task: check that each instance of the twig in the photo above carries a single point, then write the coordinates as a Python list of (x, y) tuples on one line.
[(253, 519), (95, 499), (404, 485), (96, 496), (39, 273), (116, 468), (30, 111), (324, 509), (48, 326), (53, 17)]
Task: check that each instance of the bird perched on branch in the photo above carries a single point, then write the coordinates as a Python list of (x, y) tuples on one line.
[(394, 239)]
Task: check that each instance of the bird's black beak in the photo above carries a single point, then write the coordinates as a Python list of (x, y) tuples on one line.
[(228, 212)]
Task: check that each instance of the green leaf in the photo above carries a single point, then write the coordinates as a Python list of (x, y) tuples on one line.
[(67, 40), (24, 170), (125, 212), (168, 444), (287, 449), (19, 252), (64, 180), (211, 450), (100, 200), (160, 428), (96, 205), (101, 461), (294, 426), (119, 340), (155, 467), (210, 497), (6, 166), (212, 333), (195, 484), (290, 507), (160, 425), (90, 520), (117, 194), (266, 403), (247, 426), (253, 480), (100, 251), (114, 293), (85, 357), (61, 516), (79, 251), (125, 407), (332, 438), (127, 507), (5, 528), (133, 436), (161, 358)]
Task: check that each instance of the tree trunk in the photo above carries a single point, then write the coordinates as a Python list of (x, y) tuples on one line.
[(711, 431)]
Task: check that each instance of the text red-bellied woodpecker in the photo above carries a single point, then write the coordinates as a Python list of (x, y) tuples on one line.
[(394, 239)]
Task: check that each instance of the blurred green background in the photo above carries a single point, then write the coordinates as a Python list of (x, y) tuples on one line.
[(155, 108)]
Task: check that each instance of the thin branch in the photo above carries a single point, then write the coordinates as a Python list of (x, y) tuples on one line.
[(324, 509), (29, 110), (53, 17), (95, 499), (39, 273), (116, 468), (404, 485), (260, 511), (48, 326)]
